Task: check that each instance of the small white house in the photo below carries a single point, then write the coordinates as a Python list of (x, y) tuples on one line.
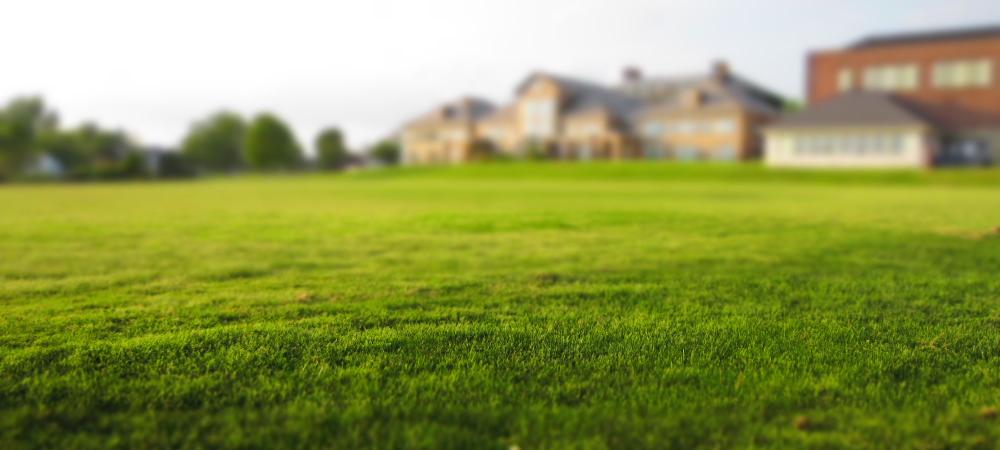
[(859, 130)]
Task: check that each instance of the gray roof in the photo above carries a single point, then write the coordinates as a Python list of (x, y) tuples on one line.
[(992, 31), (665, 92), (861, 109), (583, 96), (465, 109)]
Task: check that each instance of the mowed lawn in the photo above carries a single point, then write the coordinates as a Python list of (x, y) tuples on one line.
[(520, 305)]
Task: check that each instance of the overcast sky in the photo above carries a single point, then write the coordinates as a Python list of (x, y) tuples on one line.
[(152, 67)]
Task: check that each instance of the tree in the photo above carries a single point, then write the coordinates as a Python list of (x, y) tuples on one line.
[(386, 152), (175, 165), (216, 143), (22, 122), (792, 105), (28, 128), (330, 149), (66, 147), (270, 144), (131, 166), (102, 147)]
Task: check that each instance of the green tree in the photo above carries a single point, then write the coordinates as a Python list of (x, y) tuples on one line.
[(792, 105), (89, 151), (215, 144), (270, 144), (386, 152), (102, 147), (330, 149), (175, 165), (65, 147), (22, 122)]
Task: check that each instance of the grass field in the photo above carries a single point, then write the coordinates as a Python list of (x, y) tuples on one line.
[(537, 306)]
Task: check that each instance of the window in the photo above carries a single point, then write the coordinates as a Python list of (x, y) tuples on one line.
[(456, 134), (963, 73), (684, 126), (653, 129), (896, 143), (824, 144), (688, 154), (496, 134), (583, 130), (845, 80), (724, 154), (854, 144), (539, 120), (806, 145), (898, 77), (654, 150), (723, 126), (868, 144)]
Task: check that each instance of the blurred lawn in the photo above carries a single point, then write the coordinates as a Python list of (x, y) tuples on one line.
[(543, 306)]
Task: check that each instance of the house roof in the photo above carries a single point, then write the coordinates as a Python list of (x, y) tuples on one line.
[(584, 96), (504, 113), (856, 109), (465, 109), (883, 40), (664, 93), (956, 117)]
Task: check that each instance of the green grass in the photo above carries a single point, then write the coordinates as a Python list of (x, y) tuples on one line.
[(540, 306)]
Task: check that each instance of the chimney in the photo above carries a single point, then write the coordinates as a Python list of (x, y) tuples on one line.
[(720, 71), (631, 74)]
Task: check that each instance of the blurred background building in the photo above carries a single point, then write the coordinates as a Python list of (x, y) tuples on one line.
[(903, 100), (714, 116)]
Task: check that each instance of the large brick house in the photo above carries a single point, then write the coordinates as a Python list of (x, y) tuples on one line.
[(716, 117), (713, 116), (445, 134), (915, 99)]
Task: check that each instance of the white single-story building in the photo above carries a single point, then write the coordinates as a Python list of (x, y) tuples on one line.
[(859, 129)]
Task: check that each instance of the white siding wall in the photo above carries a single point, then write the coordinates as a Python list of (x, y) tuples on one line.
[(791, 148)]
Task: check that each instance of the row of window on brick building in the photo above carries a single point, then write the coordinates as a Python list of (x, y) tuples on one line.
[(955, 74)]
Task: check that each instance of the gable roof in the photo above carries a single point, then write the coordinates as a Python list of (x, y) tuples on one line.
[(856, 109), (883, 40), (664, 93), (503, 114), (583, 96), (465, 109)]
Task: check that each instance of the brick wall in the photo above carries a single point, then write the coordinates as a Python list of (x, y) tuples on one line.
[(961, 107)]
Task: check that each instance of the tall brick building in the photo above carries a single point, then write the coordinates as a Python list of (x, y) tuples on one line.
[(945, 82)]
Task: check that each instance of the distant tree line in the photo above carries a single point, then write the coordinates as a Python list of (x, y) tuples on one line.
[(29, 129), (226, 143), (33, 144)]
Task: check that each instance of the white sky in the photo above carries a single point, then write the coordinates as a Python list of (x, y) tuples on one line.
[(152, 67)]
